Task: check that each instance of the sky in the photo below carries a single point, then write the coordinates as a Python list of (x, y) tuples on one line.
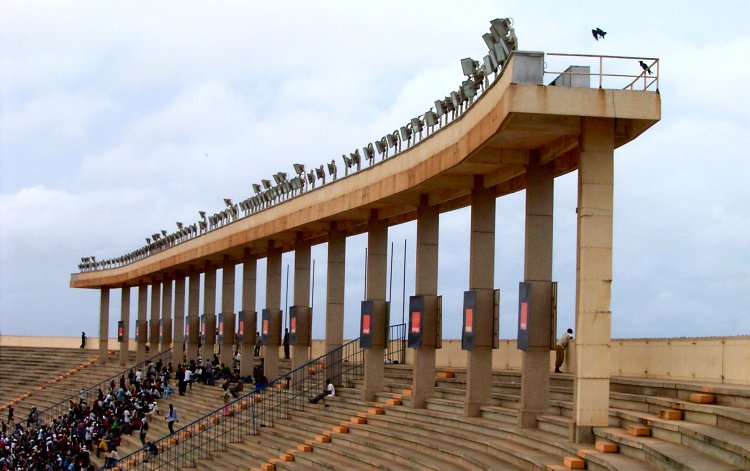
[(118, 119)]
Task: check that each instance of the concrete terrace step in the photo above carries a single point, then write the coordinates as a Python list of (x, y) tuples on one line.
[(662, 454)]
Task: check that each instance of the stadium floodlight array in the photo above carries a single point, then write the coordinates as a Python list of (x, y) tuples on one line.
[(501, 41)]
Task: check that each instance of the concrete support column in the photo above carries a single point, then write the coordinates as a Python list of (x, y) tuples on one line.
[(538, 273), (227, 312), (377, 265), (273, 304), (141, 326), (300, 352), (335, 288), (209, 313), (249, 271), (166, 315), (103, 324), (481, 280), (153, 331), (178, 339), (125, 319), (426, 283), (194, 329), (593, 277)]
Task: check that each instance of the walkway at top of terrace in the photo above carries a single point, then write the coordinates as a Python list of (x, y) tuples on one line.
[(516, 121)]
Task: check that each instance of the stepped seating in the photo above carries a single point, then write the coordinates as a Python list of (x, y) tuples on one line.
[(42, 377)]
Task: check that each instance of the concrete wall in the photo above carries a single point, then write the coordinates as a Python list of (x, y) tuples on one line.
[(709, 359)]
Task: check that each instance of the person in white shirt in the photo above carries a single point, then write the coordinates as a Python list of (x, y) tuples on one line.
[(328, 391), (562, 345), (189, 378)]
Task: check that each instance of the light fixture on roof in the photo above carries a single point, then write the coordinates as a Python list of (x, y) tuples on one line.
[(179, 225), (382, 147), (311, 178), (299, 169), (469, 66), (356, 159), (321, 174), (228, 202), (469, 88), (164, 233), (266, 184), (332, 169), (431, 119), (417, 125), (202, 214), (256, 188), (406, 133), (369, 153), (392, 139), (501, 41)]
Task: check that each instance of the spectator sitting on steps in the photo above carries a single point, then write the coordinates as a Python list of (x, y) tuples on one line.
[(329, 390)]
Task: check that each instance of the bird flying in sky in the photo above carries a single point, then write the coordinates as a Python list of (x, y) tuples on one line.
[(598, 33), (645, 67)]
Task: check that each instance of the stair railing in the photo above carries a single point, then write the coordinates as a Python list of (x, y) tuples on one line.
[(247, 415)]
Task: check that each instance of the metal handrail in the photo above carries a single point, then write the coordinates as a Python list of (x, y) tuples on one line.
[(648, 80), (246, 415), (54, 410)]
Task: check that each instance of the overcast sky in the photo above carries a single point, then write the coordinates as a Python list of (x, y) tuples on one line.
[(119, 118)]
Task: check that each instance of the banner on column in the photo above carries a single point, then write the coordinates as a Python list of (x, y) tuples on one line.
[(416, 318), (524, 309), (137, 328), (203, 330), (186, 338), (265, 326), (120, 331), (240, 326), (300, 325), (220, 330), (161, 331), (467, 331), (365, 328)]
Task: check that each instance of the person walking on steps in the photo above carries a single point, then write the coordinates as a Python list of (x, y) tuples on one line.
[(171, 418), (560, 348)]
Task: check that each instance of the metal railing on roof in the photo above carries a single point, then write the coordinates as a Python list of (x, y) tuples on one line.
[(613, 72)]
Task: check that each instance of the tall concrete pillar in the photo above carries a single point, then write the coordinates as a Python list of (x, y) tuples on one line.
[(125, 319), (377, 265), (426, 283), (166, 315), (335, 288), (194, 292), (141, 326), (538, 274), (209, 313), (153, 331), (593, 277), (482, 281), (300, 352), (273, 305), (249, 271), (227, 311), (103, 324), (178, 338)]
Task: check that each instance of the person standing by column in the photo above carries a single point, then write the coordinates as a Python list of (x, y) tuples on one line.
[(171, 418), (562, 345), (285, 342), (83, 340)]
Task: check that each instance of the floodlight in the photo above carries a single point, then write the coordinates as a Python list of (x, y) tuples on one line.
[(203, 214), (500, 27), (243, 207), (256, 188), (501, 52), (320, 173), (456, 100), (179, 225), (228, 202), (416, 124), (380, 145), (469, 88), (276, 178), (148, 241), (439, 108), (489, 40), (299, 168), (356, 159), (392, 139), (164, 233), (431, 118), (405, 133), (488, 65), (311, 178), (282, 176), (469, 66), (332, 169), (369, 152), (295, 183), (266, 184)]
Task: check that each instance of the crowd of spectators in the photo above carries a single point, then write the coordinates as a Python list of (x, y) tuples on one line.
[(97, 425)]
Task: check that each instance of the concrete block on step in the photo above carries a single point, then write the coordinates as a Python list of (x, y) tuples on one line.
[(393, 402), (702, 398), (639, 431), (376, 411), (286, 457), (305, 447), (606, 447), (341, 429), (574, 462), (323, 439), (359, 420), (670, 414)]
